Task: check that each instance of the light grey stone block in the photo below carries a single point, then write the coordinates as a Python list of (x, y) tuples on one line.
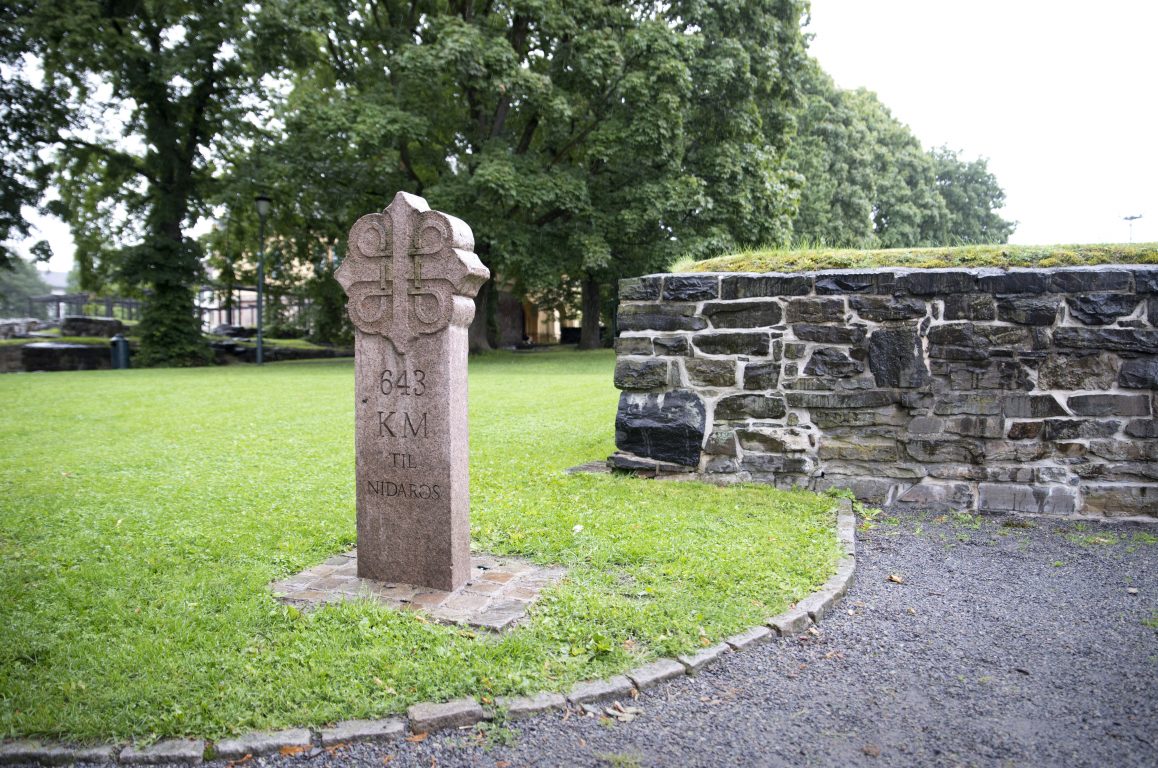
[(790, 623), (363, 730), (528, 706), (751, 637), (428, 716), (651, 675), (600, 690), (697, 661), (263, 743), (817, 604), (191, 751)]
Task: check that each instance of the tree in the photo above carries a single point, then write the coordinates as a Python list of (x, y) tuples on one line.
[(972, 195), (867, 182), (583, 140), (30, 116), (18, 282), (172, 73)]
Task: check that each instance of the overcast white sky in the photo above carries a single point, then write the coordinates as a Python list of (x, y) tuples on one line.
[(1060, 96)]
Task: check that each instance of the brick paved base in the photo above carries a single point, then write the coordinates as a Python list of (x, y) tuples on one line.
[(497, 595)]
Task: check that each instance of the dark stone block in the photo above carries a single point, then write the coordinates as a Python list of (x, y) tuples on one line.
[(672, 346), (1110, 405), (1140, 373), (711, 373), (1032, 407), (783, 440), (1144, 428), (950, 404), (1108, 339), (1039, 500), (1074, 429), (667, 427), (851, 335), (722, 442), (966, 376), (1028, 311), (965, 451), (1101, 308), (1145, 278), (1025, 430), (896, 359), (832, 363), (882, 282), (747, 314), (957, 341), (1152, 312), (970, 306), (761, 375), (933, 282), (1089, 371), (1121, 500), (755, 344), (795, 351), (63, 356), (750, 407), (83, 325), (976, 426), (1008, 283), (660, 317), (858, 449), (639, 289), (869, 398), (823, 310), (1014, 338), (691, 287), (889, 415), (763, 286), (1090, 279), (888, 308), (648, 373), (633, 345)]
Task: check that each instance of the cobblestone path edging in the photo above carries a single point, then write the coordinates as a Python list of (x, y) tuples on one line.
[(435, 716)]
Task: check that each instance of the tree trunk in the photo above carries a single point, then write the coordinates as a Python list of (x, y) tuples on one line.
[(589, 331), (477, 336)]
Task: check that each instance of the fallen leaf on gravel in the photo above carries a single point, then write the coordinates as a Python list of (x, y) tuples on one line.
[(896, 578), (1131, 590), (634, 693), (1021, 670), (872, 750), (503, 764), (912, 611), (336, 747), (834, 655), (388, 759), (417, 737), (240, 760), (291, 751)]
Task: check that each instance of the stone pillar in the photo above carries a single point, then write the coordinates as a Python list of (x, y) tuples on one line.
[(411, 277)]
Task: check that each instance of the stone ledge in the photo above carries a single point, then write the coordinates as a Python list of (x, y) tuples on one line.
[(263, 743), (189, 751), (705, 658), (600, 690), (428, 716), (363, 730), (528, 706)]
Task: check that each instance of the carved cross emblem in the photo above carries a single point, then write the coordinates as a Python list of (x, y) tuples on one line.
[(410, 271)]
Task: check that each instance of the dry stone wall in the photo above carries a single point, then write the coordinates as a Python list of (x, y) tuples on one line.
[(1023, 390)]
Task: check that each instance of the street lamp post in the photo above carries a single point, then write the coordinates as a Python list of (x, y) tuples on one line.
[(263, 205)]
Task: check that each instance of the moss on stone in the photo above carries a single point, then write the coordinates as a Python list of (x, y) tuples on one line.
[(809, 260)]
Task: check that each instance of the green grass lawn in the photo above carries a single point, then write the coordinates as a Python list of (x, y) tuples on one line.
[(811, 259), (144, 512)]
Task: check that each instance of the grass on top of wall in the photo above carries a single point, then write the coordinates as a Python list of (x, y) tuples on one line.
[(1003, 256), (144, 512)]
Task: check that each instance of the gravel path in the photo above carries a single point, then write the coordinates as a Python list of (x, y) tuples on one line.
[(963, 642)]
